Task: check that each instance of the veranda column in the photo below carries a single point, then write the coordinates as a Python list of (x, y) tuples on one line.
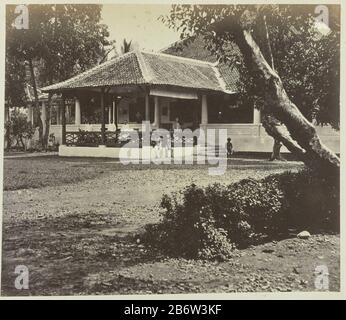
[(109, 115), (31, 114), (77, 118), (147, 112), (204, 113), (103, 118), (114, 111), (63, 121), (256, 116), (68, 113), (156, 112), (43, 116)]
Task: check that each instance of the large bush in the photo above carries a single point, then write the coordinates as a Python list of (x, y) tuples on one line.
[(18, 129), (311, 200), (210, 222)]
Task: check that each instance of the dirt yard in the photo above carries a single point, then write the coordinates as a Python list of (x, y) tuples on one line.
[(74, 224)]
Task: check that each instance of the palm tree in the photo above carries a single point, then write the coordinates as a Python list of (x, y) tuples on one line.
[(126, 47)]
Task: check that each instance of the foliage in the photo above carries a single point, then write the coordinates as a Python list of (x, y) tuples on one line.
[(62, 40), (312, 200), (209, 222), (14, 82), (19, 128), (311, 82), (65, 38), (188, 227)]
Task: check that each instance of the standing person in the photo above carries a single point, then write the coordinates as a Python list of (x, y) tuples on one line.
[(158, 148), (229, 147)]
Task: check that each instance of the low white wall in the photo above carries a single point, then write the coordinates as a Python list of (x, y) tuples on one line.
[(97, 152), (254, 138), (125, 153), (245, 137)]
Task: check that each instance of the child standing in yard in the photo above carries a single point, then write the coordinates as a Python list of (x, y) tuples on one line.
[(229, 147)]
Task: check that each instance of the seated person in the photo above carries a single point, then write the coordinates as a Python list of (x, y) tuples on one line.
[(125, 132), (126, 127), (139, 117), (176, 124)]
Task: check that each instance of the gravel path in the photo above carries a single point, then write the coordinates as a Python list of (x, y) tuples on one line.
[(80, 238)]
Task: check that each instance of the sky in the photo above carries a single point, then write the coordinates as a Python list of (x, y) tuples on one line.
[(140, 24)]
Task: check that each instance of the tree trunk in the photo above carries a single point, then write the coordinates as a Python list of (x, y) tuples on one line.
[(22, 143), (269, 57), (276, 155), (297, 134), (48, 113), (7, 134), (37, 112)]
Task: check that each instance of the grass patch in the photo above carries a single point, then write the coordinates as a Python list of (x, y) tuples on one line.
[(37, 172)]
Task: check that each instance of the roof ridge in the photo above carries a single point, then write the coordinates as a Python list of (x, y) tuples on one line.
[(179, 58), (173, 44), (221, 80), (145, 68), (214, 66)]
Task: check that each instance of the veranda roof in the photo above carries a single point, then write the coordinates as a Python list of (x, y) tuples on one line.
[(147, 68)]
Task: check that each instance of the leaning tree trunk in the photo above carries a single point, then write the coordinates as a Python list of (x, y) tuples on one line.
[(276, 155), (297, 134)]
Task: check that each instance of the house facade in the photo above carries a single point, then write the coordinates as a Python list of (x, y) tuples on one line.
[(183, 85)]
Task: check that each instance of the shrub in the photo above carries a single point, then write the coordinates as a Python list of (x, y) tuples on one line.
[(249, 210), (312, 200), (210, 222), (188, 227), (19, 129)]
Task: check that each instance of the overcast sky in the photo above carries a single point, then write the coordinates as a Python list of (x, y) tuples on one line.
[(140, 24)]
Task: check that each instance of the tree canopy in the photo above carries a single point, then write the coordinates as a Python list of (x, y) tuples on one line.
[(307, 61), (63, 39), (246, 26)]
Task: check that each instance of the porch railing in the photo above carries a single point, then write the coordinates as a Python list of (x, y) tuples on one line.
[(91, 138), (116, 139)]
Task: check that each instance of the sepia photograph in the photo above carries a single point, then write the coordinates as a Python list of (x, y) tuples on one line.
[(162, 149)]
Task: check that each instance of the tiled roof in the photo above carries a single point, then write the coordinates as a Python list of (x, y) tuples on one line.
[(195, 49), (147, 68)]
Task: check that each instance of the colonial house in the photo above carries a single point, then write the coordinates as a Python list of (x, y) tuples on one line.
[(179, 83)]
